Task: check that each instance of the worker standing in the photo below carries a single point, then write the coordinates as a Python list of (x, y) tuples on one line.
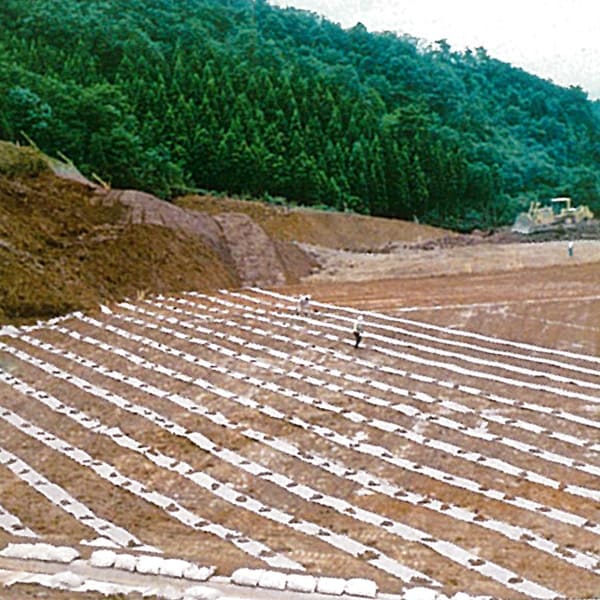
[(303, 304), (357, 330), (570, 246)]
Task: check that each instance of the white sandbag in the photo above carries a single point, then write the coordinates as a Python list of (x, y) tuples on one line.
[(201, 592), (173, 567), (197, 572), (361, 587), (63, 554), (301, 583), (103, 558), (40, 551), (421, 593), (149, 565), (126, 562), (66, 579), (22, 551), (331, 585), (247, 577), (273, 580)]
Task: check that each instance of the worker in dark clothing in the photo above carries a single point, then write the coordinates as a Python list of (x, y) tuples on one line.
[(357, 330)]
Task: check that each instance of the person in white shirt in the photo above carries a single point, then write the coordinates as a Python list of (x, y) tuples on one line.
[(303, 302)]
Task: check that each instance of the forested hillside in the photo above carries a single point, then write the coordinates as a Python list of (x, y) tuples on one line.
[(238, 96)]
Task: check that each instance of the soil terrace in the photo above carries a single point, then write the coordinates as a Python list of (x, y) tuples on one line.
[(426, 455), (456, 447)]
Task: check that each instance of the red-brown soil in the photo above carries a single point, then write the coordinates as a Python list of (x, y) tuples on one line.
[(532, 381)]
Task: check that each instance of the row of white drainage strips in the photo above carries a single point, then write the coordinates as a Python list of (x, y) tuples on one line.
[(447, 549), (324, 324), (174, 509), (514, 444), (478, 358), (252, 314), (62, 499), (452, 406), (589, 561), (383, 425), (512, 532), (407, 410), (456, 333), (225, 492)]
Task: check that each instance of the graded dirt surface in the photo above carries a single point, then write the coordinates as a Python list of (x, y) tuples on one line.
[(480, 259), (455, 448), (456, 445)]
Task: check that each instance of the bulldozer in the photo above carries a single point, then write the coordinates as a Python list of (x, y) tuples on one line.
[(560, 212)]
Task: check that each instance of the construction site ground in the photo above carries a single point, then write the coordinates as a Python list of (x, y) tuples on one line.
[(547, 299), (454, 449)]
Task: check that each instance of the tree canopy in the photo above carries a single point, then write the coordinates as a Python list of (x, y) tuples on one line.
[(243, 97)]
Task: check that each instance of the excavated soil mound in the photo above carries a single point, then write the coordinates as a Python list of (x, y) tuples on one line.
[(68, 244), (330, 229), (62, 249)]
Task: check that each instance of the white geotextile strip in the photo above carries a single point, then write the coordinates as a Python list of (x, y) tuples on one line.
[(259, 315), (462, 482), (454, 368), (388, 427), (405, 409), (13, 525), (447, 549), (63, 500), (448, 330), (579, 559), (166, 503), (227, 492), (512, 532)]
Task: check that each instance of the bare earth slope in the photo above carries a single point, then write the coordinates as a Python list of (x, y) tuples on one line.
[(66, 243), (456, 448)]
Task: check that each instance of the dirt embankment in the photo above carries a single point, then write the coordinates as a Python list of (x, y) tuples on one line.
[(68, 244), (62, 249)]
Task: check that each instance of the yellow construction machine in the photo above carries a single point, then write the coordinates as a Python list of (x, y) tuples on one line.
[(559, 212)]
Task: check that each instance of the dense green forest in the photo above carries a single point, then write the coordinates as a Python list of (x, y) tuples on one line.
[(243, 97)]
